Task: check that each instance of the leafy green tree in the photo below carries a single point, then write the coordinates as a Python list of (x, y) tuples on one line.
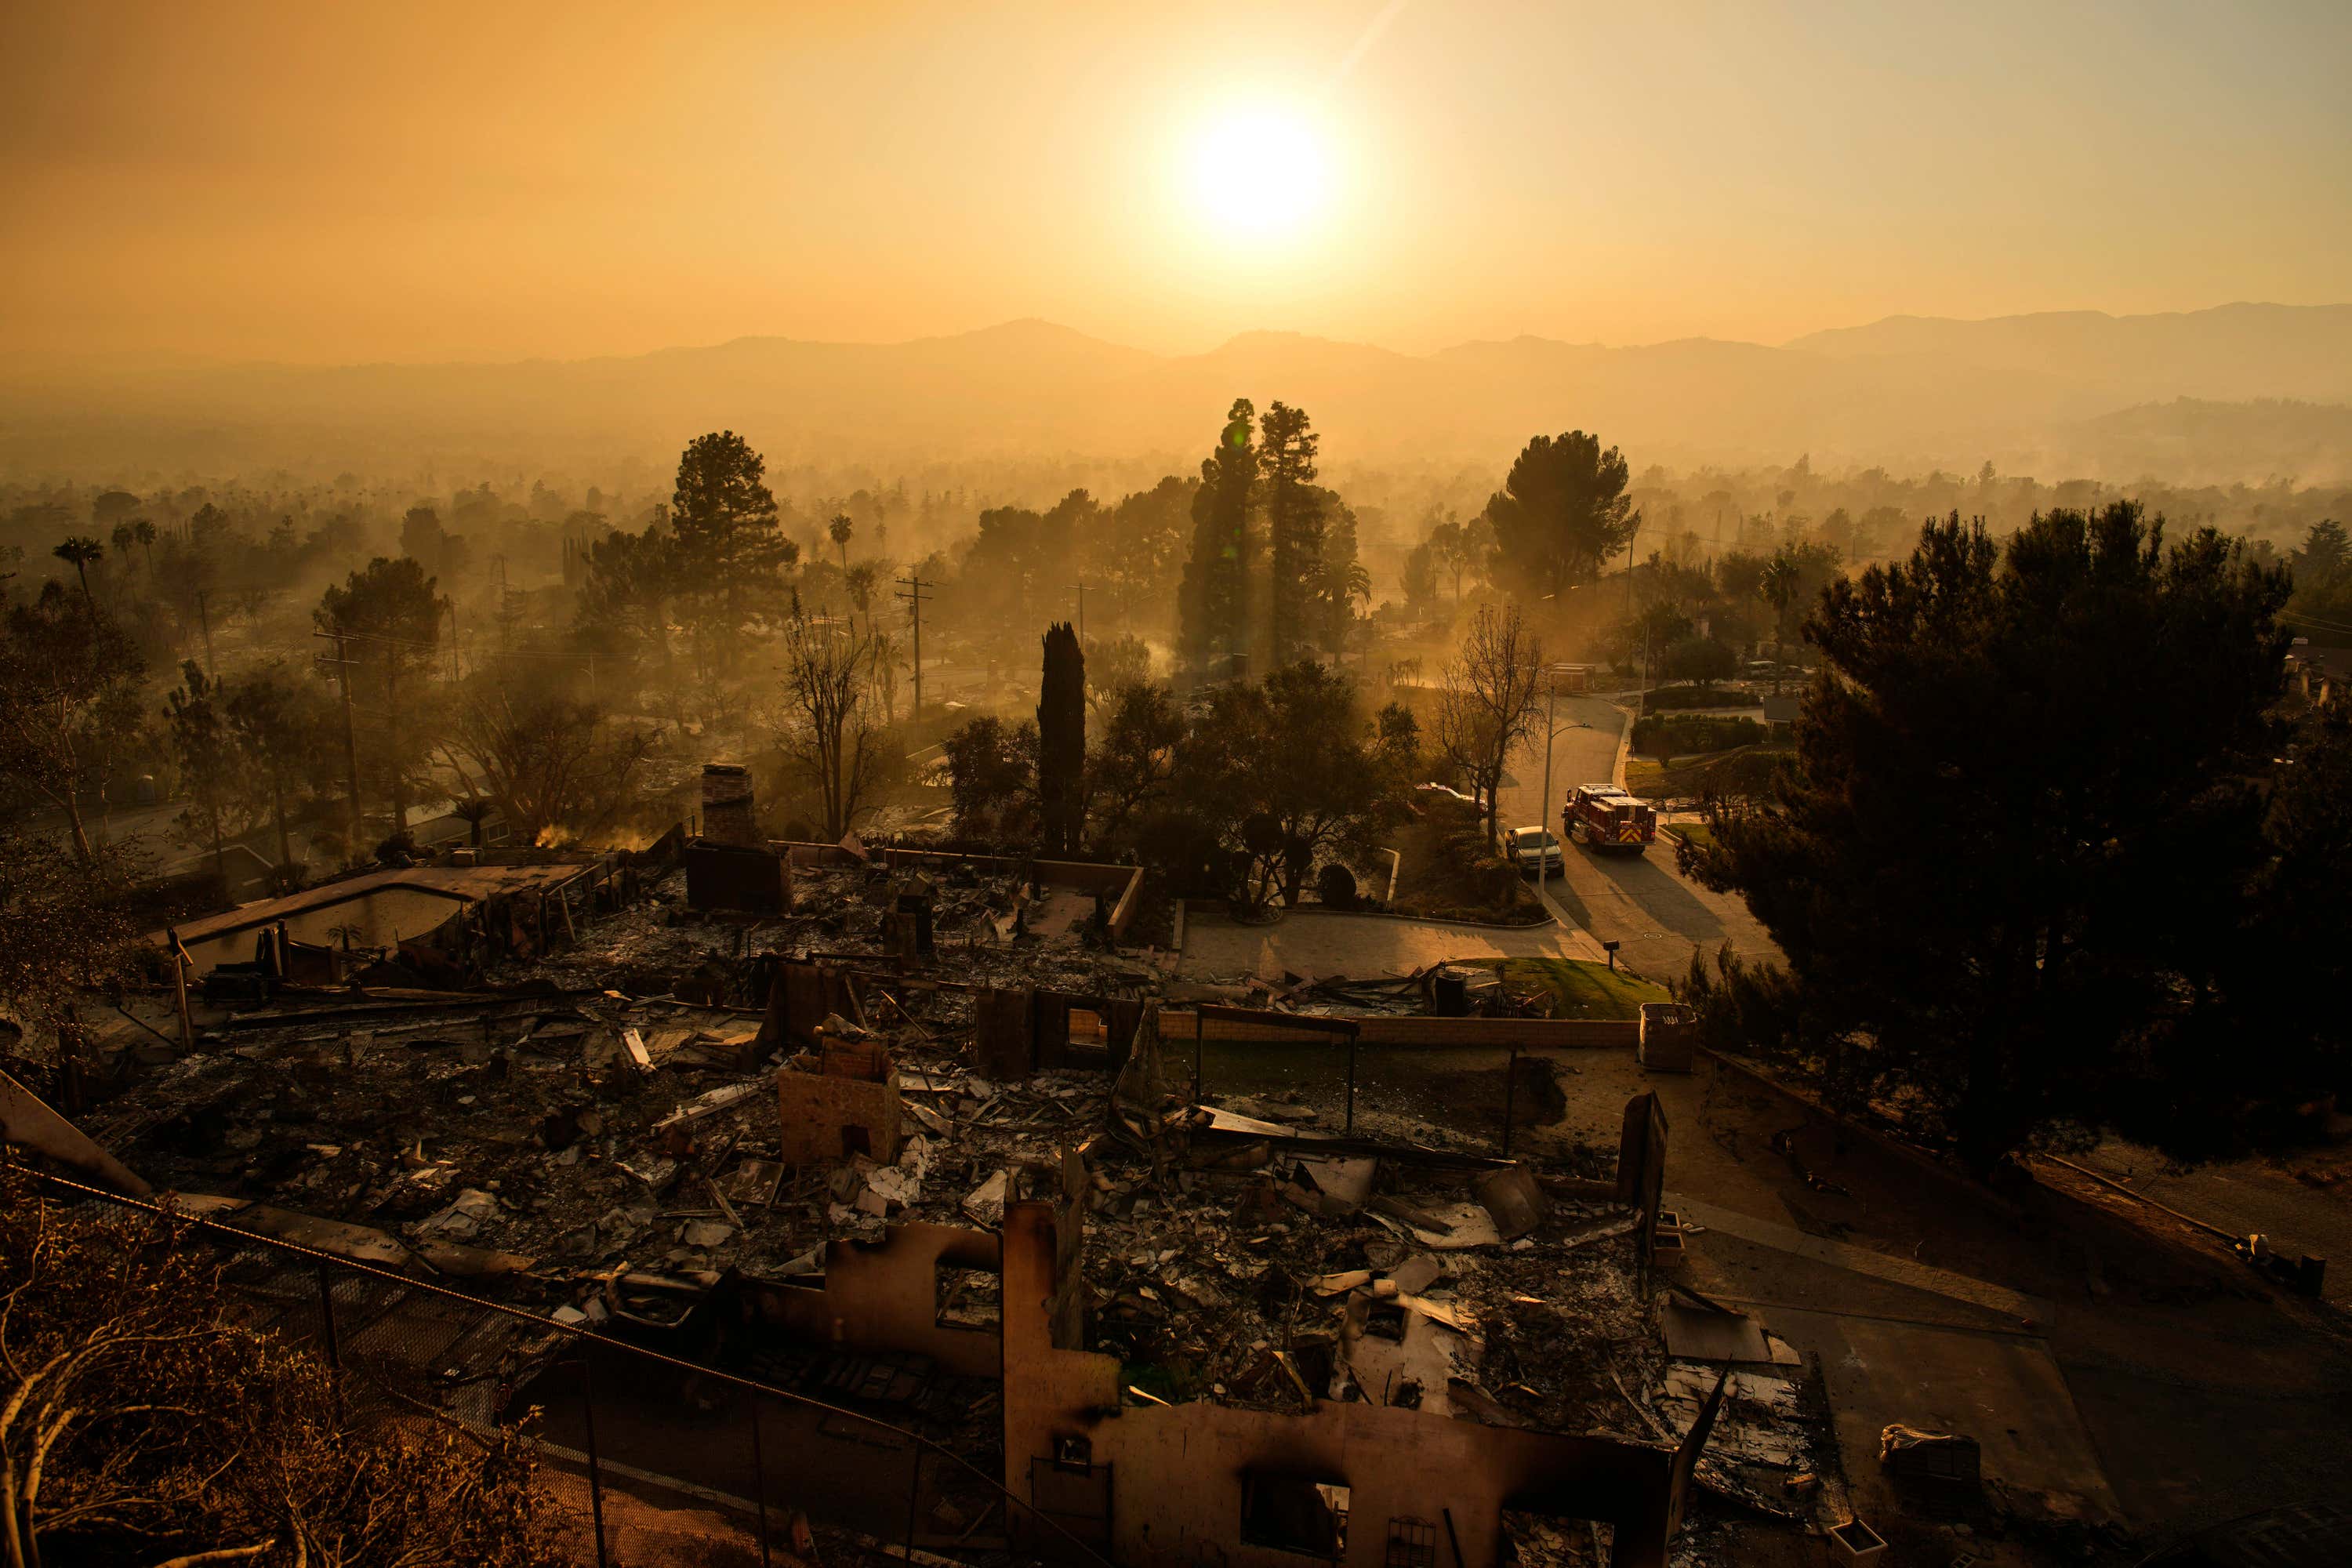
[(1213, 602), (2323, 584), (1397, 751), (1282, 768), (1113, 663), (1702, 662), (1294, 514), (625, 599), (2022, 762), (2324, 547), (993, 776), (110, 506), (1660, 624), (1563, 511), (2302, 905), (421, 537), (1340, 582), (1136, 554), (1062, 742), (730, 549), (1421, 575), (1135, 758)]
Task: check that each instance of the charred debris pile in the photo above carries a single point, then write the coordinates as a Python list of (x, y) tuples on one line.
[(683, 1124)]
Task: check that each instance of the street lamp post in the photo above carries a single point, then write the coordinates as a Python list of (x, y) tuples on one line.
[(1543, 854)]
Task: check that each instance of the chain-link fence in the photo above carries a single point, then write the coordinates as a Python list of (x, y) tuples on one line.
[(651, 1457)]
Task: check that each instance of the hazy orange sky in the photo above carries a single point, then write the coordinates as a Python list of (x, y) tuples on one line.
[(334, 182)]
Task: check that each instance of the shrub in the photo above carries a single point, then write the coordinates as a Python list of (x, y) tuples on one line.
[(1689, 734), (1702, 661), (1689, 697)]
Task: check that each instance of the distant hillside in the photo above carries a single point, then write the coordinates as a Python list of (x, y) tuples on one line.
[(2232, 353), (1907, 391), (2190, 441)]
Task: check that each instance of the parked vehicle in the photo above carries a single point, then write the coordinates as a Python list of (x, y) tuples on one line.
[(1529, 849), (1446, 789), (1608, 819)]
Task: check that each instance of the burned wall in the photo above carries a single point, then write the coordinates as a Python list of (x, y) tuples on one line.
[(1171, 1482), (828, 1116), (882, 1296), (729, 876)]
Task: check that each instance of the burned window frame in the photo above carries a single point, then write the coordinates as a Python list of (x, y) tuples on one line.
[(1253, 1531)]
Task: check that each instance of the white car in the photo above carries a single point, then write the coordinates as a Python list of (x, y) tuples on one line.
[(1530, 849), (1446, 789)]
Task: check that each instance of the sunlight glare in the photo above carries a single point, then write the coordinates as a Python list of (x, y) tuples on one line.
[(1259, 174)]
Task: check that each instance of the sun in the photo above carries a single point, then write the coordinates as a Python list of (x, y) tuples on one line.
[(1259, 174)]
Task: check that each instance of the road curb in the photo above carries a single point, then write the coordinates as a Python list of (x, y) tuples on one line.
[(1624, 747)]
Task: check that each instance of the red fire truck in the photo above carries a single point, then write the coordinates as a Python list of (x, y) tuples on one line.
[(1606, 818)]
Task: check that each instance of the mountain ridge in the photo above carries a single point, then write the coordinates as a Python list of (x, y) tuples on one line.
[(1901, 389)]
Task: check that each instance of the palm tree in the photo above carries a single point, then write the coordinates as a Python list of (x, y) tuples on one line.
[(861, 582), (841, 527), (143, 532), (81, 551), (123, 540)]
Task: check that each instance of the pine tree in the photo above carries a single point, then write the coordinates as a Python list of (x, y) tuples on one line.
[(1213, 602), (724, 520), (1294, 512), (1062, 740)]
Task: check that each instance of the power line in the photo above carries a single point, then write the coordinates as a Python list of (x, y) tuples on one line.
[(2314, 621), (914, 585), (376, 638)]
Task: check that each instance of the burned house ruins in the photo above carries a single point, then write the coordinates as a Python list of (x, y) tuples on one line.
[(925, 1139)]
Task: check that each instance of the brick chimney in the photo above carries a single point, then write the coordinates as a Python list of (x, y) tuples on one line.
[(726, 814)]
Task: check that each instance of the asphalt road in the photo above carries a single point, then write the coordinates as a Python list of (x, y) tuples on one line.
[(1658, 915)]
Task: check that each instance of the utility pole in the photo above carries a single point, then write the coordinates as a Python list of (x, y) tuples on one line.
[(914, 585), (351, 746), (204, 618), (1081, 586), (1543, 818), (1629, 572)]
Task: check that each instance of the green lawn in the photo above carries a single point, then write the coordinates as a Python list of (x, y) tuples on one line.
[(1580, 988), (1701, 835)]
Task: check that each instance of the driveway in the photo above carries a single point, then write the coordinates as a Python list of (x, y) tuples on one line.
[(1658, 915)]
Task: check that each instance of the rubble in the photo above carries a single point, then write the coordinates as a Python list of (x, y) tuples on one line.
[(801, 1115)]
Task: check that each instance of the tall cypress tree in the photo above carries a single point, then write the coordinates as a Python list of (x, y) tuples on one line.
[(1213, 603), (1062, 740), (1294, 515)]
